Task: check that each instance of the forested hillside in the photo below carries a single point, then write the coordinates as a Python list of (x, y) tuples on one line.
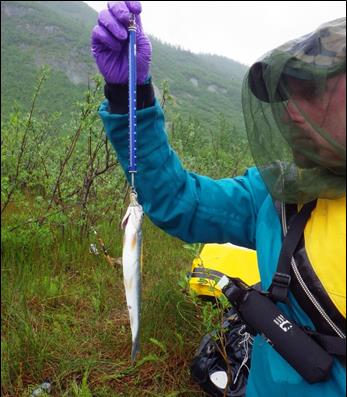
[(36, 33)]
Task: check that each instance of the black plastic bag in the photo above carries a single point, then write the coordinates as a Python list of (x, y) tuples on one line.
[(209, 368)]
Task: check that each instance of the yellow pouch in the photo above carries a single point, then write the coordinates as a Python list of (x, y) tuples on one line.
[(216, 260)]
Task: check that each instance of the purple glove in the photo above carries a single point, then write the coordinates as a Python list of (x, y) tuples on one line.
[(110, 43)]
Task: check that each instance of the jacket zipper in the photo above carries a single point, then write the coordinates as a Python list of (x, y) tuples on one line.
[(304, 286)]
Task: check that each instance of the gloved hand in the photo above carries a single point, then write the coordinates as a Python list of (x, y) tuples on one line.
[(110, 43)]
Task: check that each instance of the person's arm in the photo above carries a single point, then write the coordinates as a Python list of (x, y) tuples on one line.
[(192, 207)]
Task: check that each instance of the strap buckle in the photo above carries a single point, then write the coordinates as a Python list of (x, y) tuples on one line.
[(281, 280), (280, 286)]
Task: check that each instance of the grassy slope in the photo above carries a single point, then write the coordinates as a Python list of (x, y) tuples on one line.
[(64, 317)]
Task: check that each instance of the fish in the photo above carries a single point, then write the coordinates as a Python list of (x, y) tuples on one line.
[(132, 265)]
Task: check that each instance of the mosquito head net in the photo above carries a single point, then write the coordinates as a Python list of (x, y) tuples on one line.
[(294, 105)]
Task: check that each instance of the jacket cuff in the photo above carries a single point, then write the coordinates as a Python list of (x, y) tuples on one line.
[(118, 97)]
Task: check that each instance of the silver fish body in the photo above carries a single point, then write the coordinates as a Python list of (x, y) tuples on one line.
[(131, 261)]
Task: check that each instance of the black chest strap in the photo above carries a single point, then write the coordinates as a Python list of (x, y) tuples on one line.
[(279, 287), (280, 283)]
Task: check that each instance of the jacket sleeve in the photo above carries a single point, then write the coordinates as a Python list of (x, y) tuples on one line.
[(192, 207)]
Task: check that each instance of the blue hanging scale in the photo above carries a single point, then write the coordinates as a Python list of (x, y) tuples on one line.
[(132, 101)]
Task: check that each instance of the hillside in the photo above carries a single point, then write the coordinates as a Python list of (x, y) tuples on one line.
[(202, 85), (35, 33)]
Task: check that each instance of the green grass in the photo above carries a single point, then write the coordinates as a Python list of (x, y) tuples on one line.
[(64, 317)]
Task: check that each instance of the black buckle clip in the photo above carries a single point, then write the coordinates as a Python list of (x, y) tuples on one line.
[(281, 280), (279, 287)]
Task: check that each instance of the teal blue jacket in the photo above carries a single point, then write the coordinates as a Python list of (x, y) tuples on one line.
[(239, 210)]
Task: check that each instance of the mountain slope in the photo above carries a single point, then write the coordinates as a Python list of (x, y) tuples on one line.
[(38, 33), (203, 85), (35, 33)]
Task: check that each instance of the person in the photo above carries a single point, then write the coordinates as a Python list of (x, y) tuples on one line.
[(294, 108)]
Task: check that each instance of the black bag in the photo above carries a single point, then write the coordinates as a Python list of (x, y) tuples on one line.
[(261, 314), (209, 368)]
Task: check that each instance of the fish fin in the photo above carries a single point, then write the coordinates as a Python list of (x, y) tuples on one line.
[(125, 218), (141, 259)]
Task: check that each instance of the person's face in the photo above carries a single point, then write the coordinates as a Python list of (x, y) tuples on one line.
[(326, 109)]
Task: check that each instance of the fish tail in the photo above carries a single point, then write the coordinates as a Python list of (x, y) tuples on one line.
[(135, 350)]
